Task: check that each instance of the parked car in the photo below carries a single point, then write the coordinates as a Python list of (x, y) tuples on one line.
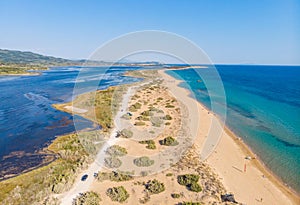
[(84, 177)]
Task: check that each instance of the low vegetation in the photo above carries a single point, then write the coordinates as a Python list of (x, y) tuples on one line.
[(19, 69), (169, 106), (112, 162), (139, 123), (190, 203), (126, 133), (101, 105), (150, 144), (143, 161), (168, 141), (135, 107), (190, 181), (87, 198), (175, 195), (58, 176), (143, 118), (113, 176), (168, 117), (154, 186), (147, 113), (118, 194), (169, 174), (116, 151)]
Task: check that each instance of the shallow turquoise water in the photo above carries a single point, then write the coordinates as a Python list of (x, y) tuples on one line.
[(263, 108)]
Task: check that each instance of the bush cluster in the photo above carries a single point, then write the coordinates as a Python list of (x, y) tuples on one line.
[(147, 113), (175, 195), (190, 203), (113, 176), (168, 117), (143, 161), (139, 123), (143, 118), (154, 186), (150, 144), (112, 162), (87, 198), (126, 133), (116, 151), (135, 107), (169, 106), (168, 141), (118, 194), (190, 181)]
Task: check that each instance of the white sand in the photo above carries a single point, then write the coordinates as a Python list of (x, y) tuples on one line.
[(75, 109), (228, 158)]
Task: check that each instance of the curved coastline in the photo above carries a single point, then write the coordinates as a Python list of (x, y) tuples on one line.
[(246, 150)]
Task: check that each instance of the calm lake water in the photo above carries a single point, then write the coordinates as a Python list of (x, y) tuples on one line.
[(28, 122)]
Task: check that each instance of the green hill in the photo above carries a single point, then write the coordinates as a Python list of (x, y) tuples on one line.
[(30, 58)]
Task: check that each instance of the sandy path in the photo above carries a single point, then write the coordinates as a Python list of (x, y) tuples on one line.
[(228, 158), (83, 186)]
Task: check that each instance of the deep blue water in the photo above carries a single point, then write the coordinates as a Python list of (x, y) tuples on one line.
[(28, 122), (263, 108)]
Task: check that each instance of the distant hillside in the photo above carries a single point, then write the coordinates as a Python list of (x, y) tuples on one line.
[(30, 58), (27, 58)]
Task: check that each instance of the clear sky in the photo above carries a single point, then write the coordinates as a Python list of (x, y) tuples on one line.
[(229, 31)]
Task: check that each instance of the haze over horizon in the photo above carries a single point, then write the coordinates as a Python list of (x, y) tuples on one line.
[(231, 32)]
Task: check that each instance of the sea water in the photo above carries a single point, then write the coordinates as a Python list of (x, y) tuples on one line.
[(263, 108)]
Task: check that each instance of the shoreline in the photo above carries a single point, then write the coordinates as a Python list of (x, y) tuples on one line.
[(22, 74), (255, 162)]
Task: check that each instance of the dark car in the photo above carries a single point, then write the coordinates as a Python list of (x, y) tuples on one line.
[(84, 177)]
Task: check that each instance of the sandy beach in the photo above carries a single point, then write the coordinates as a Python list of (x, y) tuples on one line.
[(256, 185), (223, 169)]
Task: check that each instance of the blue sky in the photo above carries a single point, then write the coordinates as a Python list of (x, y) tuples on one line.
[(229, 31)]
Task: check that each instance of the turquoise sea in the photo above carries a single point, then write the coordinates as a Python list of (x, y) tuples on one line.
[(263, 108)]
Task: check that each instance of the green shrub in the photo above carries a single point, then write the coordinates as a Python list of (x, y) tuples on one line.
[(147, 113), (143, 118), (143, 161), (112, 162), (113, 176), (168, 141), (150, 144), (167, 123), (195, 187), (116, 151), (187, 179), (135, 107), (153, 109), (169, 174), (139, 123), (190, 203), (87, 198), (169, 106), (126, 133), (168, 117), (118, 194), (190, 181), (154, 186), (175, 195)]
